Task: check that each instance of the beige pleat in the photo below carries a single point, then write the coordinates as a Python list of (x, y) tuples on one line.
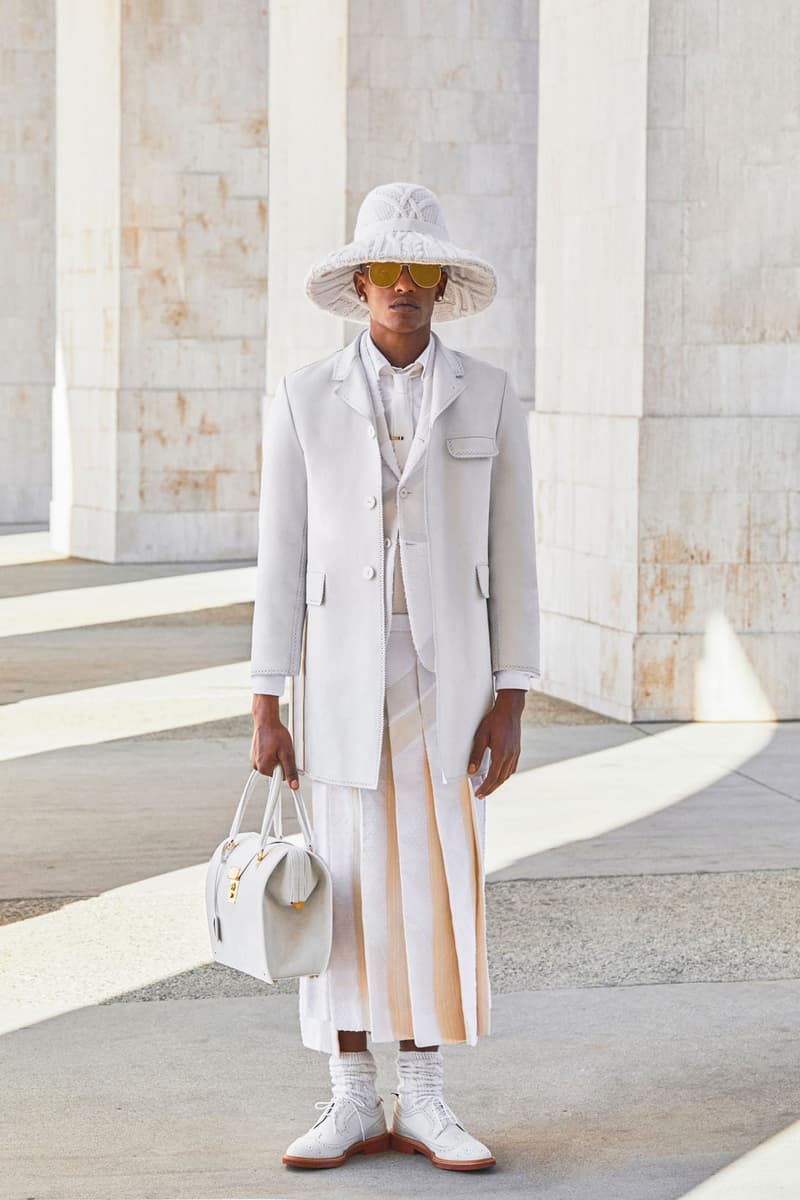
[(483, 997), (447, 991)]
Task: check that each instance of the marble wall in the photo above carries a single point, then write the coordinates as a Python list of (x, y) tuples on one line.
[(667, 429), (162, 278), (591, 289), (27, 248)]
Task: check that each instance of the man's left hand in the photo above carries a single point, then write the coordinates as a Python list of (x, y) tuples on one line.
[(500, 731)]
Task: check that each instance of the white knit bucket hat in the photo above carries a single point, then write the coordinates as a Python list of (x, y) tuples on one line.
[(402, 222)]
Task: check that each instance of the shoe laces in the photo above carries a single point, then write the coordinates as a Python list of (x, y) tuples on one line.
[(330, 1105), (438, 1107), (445, 1113)]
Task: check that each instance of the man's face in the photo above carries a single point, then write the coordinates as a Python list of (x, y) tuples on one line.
[(405, 306)]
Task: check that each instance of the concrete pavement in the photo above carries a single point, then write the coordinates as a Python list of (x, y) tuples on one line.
[(643, 903)]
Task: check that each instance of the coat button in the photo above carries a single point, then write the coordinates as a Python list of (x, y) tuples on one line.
[(387, 542), (403, 491), (370, 501), (371, 431), (368, 572)]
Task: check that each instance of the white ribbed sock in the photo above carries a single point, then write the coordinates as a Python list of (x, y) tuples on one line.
[(420, 1075), (354, 1074)]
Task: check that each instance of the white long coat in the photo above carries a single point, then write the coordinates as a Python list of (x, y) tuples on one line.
[(319, 611)]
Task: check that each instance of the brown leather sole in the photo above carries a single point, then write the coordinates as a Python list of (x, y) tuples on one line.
[(408, 1145), (373, 1145)]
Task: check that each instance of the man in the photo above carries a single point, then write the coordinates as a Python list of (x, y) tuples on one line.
[(397, 588)]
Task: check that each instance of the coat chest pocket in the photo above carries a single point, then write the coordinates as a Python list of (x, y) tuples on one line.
[(482, 572), (472, 446), (315, 587)]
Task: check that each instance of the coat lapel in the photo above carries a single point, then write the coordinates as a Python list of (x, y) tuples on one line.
[(350, 385), (448, 382)]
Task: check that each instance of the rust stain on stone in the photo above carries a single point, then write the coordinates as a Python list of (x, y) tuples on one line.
[(206, 426), (176, 313), (222, 188), (607, 676), (257, 127), (663, 587), (671, 548), (158, 434), (657, 676), (615, 593), (262, 215), (130, 245), (679, 604), (668, 548), (180, 401), (201, 484)]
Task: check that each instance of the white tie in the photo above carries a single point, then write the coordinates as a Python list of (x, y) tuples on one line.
[(401, 419)]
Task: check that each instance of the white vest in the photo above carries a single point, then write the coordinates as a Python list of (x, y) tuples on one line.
[(407, 575)]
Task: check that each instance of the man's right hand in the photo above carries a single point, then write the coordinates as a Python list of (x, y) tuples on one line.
[(272, 742)]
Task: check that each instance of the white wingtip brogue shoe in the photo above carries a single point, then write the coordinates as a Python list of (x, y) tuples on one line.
[(431, 1127), (344, 1129)]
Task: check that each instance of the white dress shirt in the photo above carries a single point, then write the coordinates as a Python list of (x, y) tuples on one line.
[(399, 391)]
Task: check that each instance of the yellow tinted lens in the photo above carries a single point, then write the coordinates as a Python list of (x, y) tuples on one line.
[(425, 274), (384, 274)]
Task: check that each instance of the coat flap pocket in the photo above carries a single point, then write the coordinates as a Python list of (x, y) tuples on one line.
[(472, 446), (315, 587), (482, 569)]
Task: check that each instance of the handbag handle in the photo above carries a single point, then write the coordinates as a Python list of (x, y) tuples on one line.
[(271, 807), (272, 811)]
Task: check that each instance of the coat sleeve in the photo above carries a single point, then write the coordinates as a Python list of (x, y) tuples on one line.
[(280, 601), (513, 583)]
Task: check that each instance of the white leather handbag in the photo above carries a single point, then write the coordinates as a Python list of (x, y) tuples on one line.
[(269, 902)]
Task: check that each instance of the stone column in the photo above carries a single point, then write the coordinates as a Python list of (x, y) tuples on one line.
[(367, 91), (162, 263), (667, 430), (27, 203)]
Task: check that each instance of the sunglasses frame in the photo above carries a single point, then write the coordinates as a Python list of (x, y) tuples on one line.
[(368, 273)]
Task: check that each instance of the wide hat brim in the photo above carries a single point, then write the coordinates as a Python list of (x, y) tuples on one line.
[(471, 281)]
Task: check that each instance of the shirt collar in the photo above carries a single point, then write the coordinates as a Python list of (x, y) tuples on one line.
[(379, 359)]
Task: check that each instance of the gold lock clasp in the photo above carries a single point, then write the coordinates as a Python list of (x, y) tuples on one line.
[(234, 874)]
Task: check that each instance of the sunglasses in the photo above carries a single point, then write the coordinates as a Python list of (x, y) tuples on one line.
[(384, 274)]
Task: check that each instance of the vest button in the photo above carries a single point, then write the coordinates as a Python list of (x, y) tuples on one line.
[(370, 501), (368, 572), (387, 542)]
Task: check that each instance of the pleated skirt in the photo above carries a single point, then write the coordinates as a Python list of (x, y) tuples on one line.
[(409, 956)]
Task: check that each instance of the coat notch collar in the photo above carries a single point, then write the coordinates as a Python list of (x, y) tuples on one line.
[(350, 381)]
